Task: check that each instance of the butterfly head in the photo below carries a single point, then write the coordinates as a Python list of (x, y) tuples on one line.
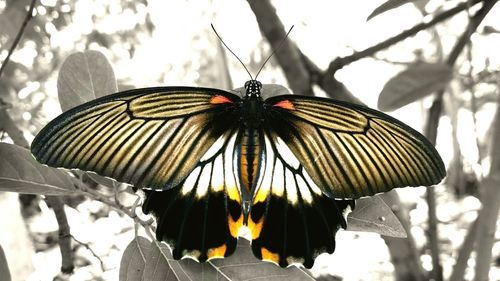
[(253, 88)]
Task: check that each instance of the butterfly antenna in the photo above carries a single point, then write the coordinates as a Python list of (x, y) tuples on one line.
[(274, 51), (215, 31)]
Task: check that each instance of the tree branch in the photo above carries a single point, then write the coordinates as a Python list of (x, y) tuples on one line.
[(490, 196), (287, 55), (338, 63), (431, 131), (64, 241), (464, 253), (29, 16), (103, 268)]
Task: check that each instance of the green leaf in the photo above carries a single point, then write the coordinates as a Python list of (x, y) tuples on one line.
[(390, 5), (417, 81), (373, 215), (84, 77), (20, 172), (4, 266), (134, 259)]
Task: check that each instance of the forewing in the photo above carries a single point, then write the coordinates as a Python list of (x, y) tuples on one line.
[(352, 151), (200, 218), (150, 137)]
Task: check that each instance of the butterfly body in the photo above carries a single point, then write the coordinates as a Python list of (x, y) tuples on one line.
[(210, 162)]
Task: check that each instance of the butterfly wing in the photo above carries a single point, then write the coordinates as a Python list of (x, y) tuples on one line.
[(352, 151), (291, 220), (150, 137), (200, 217)]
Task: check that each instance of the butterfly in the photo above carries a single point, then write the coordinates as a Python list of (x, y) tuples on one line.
[(288, 167)]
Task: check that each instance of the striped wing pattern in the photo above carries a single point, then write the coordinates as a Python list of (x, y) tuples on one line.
[(147, 137), (206, 174), (291, 220), (200, 217), (352, 151)]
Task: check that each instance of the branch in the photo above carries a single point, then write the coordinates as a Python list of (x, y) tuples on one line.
[(464, 252), (95, 195), (64, 241), (332, 87), (491, 204), (338, 63), (29, 16), (431, 131), (404, 254), (288, 56), (103, 268)]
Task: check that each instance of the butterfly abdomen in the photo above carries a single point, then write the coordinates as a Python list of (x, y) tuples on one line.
[(249, 160)]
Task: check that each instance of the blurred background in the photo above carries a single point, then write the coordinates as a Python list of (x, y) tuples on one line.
[(154, 42)]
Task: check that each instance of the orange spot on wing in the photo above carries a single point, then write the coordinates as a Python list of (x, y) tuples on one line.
[(255, 227), (234, 226), (217, 252), (286, 104), (269, 256), (219, 99)]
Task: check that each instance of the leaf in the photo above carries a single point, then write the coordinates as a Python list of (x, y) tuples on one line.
[(373, 215), (157, 267), (103, 180), (84, 77), (390, 5), (242, 265), (4, 266), (134, 259), (20, 172), (414, 83)]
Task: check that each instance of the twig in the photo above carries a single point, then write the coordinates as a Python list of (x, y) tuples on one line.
[(432, 125), (95, 195), (103, 268), (491, 204), (64, 241), (404, 254), (433, 234), (464, 253), (29, 16), (332, 87), (338, 63)]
